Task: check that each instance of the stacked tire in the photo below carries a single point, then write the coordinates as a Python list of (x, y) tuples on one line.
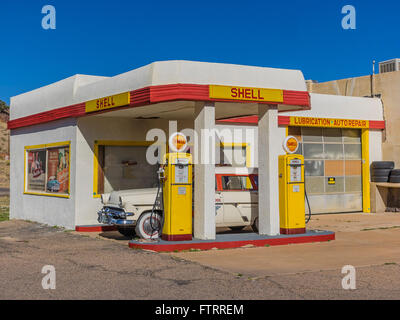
[(394, 176), (381, 171)]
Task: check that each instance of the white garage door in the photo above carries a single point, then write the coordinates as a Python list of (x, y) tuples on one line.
[(332, 168)]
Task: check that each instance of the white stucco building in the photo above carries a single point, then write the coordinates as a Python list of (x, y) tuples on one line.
[(79, 137)]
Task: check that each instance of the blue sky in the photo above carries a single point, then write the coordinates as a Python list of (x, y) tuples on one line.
[(102, 37)]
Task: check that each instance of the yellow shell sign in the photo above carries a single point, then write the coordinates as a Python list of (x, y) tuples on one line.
[(177, 142), (245, 93), (290, 144), (109, 102)]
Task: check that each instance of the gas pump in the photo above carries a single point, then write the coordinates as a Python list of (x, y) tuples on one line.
[(177, 197), (291, 190)]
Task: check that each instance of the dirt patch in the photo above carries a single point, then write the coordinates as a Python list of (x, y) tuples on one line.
[(4, 208)]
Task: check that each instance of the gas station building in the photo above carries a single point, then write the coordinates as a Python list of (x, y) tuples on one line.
[(86, 135)]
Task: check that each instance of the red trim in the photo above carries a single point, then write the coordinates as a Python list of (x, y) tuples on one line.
[(176, 237), (232, 244), (218, 182), (95, 228), (283, 120), (246, 119), (76, 110), (292, 230), (171, 92), (140, 97), (149, 95), (376, 124), (296, 98)]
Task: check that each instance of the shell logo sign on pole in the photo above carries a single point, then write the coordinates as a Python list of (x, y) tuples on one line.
[(290, 144), (177, 142), (245, 93)]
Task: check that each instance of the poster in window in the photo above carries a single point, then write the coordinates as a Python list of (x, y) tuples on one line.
[(58, 170), (37, 170)]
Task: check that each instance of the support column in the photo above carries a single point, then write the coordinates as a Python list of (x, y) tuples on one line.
[(269, 146), (204, 168)]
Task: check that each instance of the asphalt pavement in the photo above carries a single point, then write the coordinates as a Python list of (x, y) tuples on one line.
[(101, 266)]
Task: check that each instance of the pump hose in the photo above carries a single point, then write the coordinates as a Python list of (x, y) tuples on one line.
[(153, 228), (308, 203)]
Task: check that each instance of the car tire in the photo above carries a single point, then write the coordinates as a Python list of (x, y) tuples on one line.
[(395, 173), (382, 165), (237, 228), (126, 232), (379, 179), (144, 228), (394, 179), (380, 172)]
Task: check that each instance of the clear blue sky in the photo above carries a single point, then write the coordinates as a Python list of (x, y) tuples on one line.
[(102, 37)]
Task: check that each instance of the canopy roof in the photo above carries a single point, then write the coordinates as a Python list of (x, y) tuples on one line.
[(80, 88)]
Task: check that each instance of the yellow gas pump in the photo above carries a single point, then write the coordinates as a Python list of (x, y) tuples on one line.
[(291, 194), (177, 193)]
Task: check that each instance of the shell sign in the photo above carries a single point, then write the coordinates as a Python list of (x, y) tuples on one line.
[(290, 144), (245, 93), (109, 102), (177, 142)]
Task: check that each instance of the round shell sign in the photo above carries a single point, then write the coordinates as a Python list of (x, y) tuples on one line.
[(177, 142), (290, 144)]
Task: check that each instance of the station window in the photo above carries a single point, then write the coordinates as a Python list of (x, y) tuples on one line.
[(47, 169), (234, 154), (123, 165)]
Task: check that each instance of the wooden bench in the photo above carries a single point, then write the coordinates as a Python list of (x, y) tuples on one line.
[(380, 194)]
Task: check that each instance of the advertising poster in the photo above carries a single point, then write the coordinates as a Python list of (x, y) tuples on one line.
[(58, 170), (37, 170)]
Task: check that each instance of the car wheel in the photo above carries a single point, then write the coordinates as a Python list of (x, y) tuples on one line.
[(237, 228), (394, 179), (379, 179), (127, 232), (382, 165), (380, 172), (395, 172), (149, 225)]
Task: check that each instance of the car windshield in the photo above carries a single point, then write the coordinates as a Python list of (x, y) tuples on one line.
[(236, 183)]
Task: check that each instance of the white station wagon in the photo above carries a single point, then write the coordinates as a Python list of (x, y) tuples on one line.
[(236, 205)]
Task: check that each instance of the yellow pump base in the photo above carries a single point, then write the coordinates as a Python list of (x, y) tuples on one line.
[(291, 194), (177, 193)]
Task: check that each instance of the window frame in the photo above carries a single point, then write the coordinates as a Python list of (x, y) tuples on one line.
[(233, 145), (120, 143), (46, 147), (219, 185)]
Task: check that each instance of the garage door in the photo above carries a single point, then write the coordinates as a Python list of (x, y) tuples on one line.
[(332, 168)]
